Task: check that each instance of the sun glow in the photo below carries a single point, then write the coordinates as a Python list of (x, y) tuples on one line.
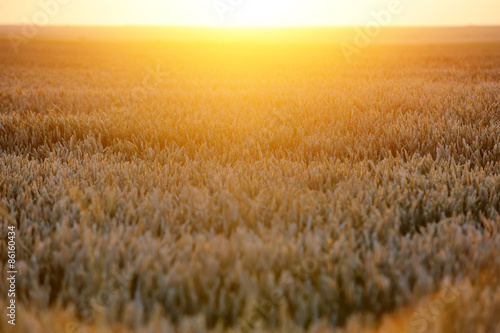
[(248, 13)]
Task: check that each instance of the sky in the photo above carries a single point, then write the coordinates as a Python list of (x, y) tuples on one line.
[(250, 12)]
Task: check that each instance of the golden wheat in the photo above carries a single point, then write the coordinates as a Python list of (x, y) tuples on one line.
[(251, 187)]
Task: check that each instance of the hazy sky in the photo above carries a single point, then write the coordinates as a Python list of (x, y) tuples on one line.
[(249, 12)]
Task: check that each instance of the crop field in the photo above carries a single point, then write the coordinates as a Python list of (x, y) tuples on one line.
[(251, 187)]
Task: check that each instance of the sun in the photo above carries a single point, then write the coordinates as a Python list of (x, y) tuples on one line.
[(252, 13)]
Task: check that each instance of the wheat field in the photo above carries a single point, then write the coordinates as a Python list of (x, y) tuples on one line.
[(251, 187)]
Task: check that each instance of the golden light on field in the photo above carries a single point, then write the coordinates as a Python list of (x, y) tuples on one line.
[(228, 13), (161, 175)]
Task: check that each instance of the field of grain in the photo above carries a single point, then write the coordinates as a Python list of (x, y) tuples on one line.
[(245, 187)]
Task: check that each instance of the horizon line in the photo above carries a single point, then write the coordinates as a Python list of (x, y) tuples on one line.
[(248, 26)]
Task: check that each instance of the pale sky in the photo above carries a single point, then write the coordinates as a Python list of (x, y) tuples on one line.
[(248, 12)]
